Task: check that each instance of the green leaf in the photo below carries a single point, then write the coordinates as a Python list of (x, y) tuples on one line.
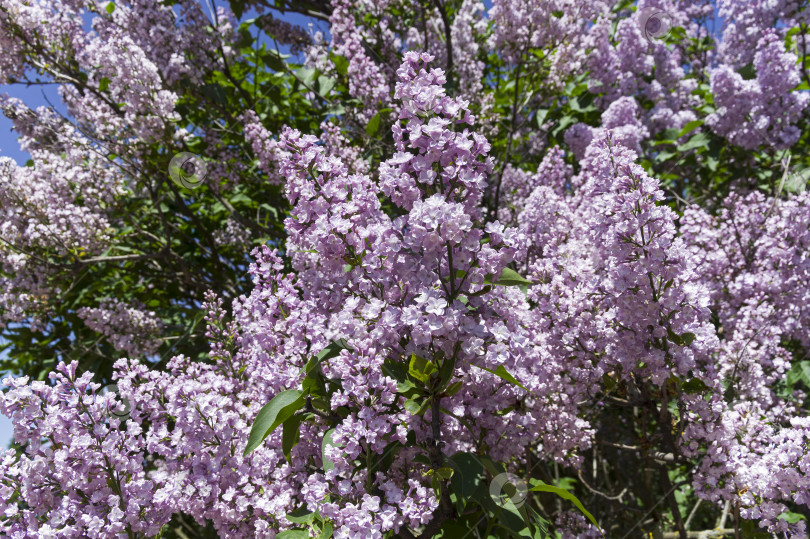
[(674, 337), (694, 385), (510, 277), (273, 414), (420, 368), (326, 532), (452, 389), (513, 518), (469, 474), (689, 127), (748, 71), (330, 351), (792, 518), (799, 373), (415, 407), (687, 338), (564, 122), (306, 75), (664, 156), (385, 460), (293, 534), (503, 374), (215, 93), (302, 515), (453, 530), (668, 136), (327, 441), (341, 64), (238, 7), (373, 125), (445, 472), (447, 369), (396, 370), (582, 103), (538, 486), (104, 83), (540, 117), (325, 85), (751, 530), (314, 383), (290, 436), (700, 140), (412, 406), (406, 388), (540, 524), (110, 7)]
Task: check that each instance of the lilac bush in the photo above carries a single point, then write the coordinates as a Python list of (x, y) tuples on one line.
[(441, 244)]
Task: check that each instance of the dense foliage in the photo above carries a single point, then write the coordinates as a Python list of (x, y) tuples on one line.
[(407, 268)]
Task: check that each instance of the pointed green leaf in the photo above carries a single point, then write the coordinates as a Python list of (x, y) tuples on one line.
[(469, 473), (290, 436), (331, 350), (302, 515), (503, 374), (452, 389), (373, 125), (689, 127), (325, 85), (412, 406), (510, 277), (694, 385), (341, 64), (799, 372), (326, 442), (538, 486), (420, 368), (447, 369), (674, 337), (293, 534), (326, 532), (416, 407), (306, 75), (273, 414), (699, 140)]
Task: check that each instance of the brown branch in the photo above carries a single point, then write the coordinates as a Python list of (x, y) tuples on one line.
[(448, 41), (705, 534), (618, 496), (673, 504)]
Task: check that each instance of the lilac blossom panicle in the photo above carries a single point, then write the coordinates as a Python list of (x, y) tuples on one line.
[(763, 110), (130, 329)]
